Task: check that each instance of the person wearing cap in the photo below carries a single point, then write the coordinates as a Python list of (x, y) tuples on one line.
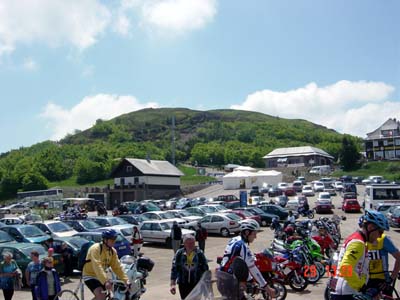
[(176, 236), (379, 275), (353, 264), (48, 283), (239, 247), (101, 256), (188, 266), (201, 236)]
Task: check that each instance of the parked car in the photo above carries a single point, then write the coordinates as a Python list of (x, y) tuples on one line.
[(220, 223), (372, 179), (12, 221), (383, 208), (164, 215), (358, 179), (184, 214), (329, 188), (108, 221), (297, 185), (266, 218), (351, 205), (230, 205), (293, 204), (131, 219), (281, 200), (15, 209), (226, 198), (6, 238), (338, 185), (245, 214), (349, 187), (318, 186), (26, 233), (82, 225), (274, 191), (254, 200), (302, 179), (56, 228), (141, 207), (307, 190), (275, 210), (323, 206), (394, 219), (160, 232), (391, 210), (324, 196), (122, 245), (254, 191), (22, 255)]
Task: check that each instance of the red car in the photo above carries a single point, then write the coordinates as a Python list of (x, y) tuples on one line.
[(351, 205), (244, 214), (290, 191)]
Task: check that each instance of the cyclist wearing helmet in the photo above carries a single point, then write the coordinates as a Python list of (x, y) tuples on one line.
[(100, 256), (352, 271), (238, 246)]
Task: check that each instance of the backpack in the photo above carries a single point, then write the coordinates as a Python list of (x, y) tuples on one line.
[(83, 253)]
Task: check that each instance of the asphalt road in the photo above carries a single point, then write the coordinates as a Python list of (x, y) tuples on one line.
[(158, 280)]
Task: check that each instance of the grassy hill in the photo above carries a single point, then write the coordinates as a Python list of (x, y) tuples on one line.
[(214, 137)]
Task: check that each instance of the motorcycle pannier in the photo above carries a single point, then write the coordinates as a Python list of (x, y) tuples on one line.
[(145, 263)]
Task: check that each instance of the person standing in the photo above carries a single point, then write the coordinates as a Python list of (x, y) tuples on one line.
[(10, 275), (137, 241), (32, 271), (176, 236), (66, 254), (379, 276), (201, 236), (353, 263), (188, 266), (48, 281)]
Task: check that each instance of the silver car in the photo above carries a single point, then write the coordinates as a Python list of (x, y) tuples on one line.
[(15, 209), (221, 223)]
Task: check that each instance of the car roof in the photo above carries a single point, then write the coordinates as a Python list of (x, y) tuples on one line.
[(19, 245), (88, 233)]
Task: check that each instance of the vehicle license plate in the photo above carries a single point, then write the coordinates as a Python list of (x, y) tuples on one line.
[(122, 247), (324, 206)]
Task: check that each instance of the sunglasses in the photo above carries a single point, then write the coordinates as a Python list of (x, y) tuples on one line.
[(377, 229)]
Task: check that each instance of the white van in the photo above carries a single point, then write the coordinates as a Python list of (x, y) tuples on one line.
[(321, 170)]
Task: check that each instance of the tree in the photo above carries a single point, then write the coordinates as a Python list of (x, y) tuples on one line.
[(34, 181), (349, 154)]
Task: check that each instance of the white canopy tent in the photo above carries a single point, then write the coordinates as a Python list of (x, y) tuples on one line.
[(245, 168), (245, 179)]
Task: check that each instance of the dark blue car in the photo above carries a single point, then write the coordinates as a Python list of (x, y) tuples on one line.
[(122, 245)]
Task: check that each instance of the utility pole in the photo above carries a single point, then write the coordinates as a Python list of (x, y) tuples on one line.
[(173, 140)]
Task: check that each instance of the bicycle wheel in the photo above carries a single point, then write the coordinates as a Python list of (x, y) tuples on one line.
[(67, 295)]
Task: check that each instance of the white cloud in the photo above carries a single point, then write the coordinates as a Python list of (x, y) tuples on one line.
[(349, 107), (30, 64), (84, 115), (166, 17), (76, 22)]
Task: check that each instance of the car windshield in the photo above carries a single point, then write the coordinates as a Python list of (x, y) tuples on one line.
[(117, 221), (325, 196), (207, 209), (5, 238), (127, 231), (165, 226), (258, 210), (352, 202), (246, 213), (31, 231), (78, 242), (167, 215), (184, 213), (59, 227), (90, 224), (219, 207), (233, 217), (27, 250)]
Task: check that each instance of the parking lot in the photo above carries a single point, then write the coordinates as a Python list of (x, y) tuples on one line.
[(158, 280)]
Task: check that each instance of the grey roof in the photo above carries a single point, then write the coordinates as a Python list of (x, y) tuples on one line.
[(390, 124), (297, 151), (155, 167)]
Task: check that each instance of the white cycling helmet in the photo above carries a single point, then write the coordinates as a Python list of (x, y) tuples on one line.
[(248, 226)]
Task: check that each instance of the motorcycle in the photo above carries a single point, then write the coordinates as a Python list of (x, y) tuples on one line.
[(137, 271), (306, 213)]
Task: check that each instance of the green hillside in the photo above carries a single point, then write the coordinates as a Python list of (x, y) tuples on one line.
[(214, 137)]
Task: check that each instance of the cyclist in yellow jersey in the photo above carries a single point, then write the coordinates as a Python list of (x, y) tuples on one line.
[(100, 256), (352, 274), (379, 276)]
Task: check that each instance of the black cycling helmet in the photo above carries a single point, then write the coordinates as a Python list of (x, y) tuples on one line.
[(109, 234)]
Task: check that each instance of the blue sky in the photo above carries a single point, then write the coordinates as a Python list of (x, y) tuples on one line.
[(65, 64)]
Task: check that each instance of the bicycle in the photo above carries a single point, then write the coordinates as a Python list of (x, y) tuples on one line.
[(73, 294)]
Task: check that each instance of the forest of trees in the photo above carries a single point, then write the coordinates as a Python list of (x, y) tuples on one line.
[(203, 138)]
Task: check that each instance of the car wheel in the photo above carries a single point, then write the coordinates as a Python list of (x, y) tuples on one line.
[(225, 232), (264, 223)]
